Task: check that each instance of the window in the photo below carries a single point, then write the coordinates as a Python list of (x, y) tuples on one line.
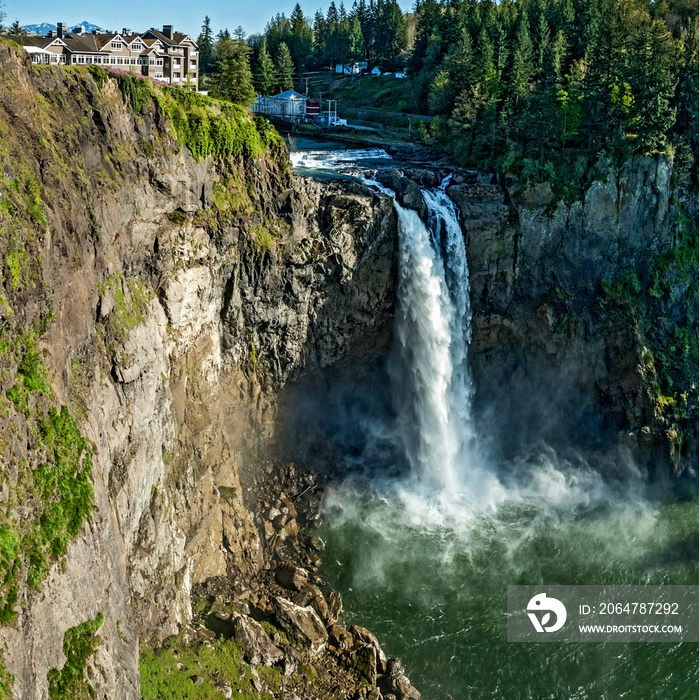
[(137, 47), (98, 59), (193, 65), (176, 62), (151, 62), (120, 60), (159, 62), (112, 60), (116, 46)]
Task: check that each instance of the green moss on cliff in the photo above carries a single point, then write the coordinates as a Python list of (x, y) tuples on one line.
[(79, 644), (215, 128), (56, 497), (206, 126), (168, 673), (6, 679), (660, 301), (64, 489)]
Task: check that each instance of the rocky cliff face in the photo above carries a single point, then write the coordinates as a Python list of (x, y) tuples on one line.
[(554, 358), (173, 298)]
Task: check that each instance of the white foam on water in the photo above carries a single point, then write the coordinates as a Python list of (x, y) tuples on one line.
[(334, 159)]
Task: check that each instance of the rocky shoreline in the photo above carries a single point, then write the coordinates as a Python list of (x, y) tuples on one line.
[(285, 617)]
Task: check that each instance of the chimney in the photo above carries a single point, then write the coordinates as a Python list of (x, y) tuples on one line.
[(167, 30), (60, 30), (125, 31)]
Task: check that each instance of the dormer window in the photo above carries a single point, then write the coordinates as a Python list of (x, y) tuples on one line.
[(137, 47), (116, 46)]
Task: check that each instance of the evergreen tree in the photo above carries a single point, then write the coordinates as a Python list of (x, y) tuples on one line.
[(264, 77), (543, 41), (607, 93), (320, 39), (285, 69), (523, 68), (356, 40), (333, 41), (365, 13), (278, 31), (301, 40), (231, 76), (556, 59), (205, 42), (688, 99), (427, 13), (653, 80)]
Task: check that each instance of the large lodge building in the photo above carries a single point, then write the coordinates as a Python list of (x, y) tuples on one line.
[(162, 55)]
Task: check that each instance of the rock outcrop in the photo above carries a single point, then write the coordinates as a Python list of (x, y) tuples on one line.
[(563, 367), (180, 295)]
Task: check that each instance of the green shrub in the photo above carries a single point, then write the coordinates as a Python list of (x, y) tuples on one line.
[(137, 91)]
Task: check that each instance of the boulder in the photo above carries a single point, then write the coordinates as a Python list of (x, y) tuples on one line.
[(302, 624), (258, 648), (408, 193), (341, 638), (334, 601), (291, 577), (365, 662), (312, 595), (362, 636), (394, 682)]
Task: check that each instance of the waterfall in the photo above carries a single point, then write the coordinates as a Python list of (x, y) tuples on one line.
[(432, 386)]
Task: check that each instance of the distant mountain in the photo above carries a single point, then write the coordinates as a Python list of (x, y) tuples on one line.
[(45, 27)]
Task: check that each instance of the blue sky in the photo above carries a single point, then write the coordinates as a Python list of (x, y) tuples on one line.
[(186, 16)]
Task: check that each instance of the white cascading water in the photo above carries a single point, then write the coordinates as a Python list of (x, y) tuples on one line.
[(431, 380)]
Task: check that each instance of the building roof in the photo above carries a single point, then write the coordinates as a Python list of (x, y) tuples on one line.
[(76, 42), (84, 42), (290, 95), (177, 37), (40, 42)]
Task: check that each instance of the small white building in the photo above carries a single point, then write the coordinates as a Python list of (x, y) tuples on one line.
[(288, 104), (376, 70)]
